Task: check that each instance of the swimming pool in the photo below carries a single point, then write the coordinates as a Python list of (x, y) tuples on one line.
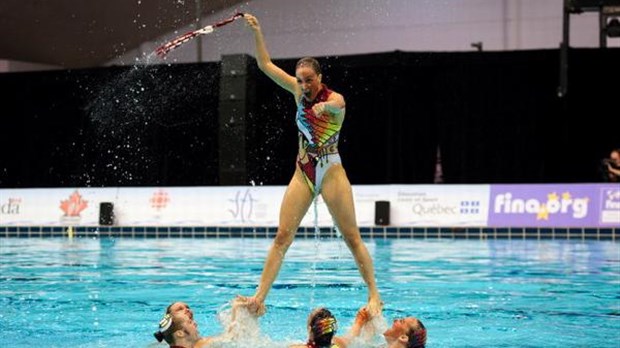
[(85, 292)]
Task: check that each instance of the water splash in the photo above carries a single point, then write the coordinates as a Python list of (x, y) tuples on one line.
[(372, 332), (241, 331), (133, 111)]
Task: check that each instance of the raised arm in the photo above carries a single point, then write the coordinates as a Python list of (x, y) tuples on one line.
[(264, 62), (361, 318)]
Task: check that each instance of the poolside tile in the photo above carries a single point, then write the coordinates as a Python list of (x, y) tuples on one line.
[(306, 232)]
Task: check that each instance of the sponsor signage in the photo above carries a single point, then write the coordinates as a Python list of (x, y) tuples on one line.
[(439, 205), (556, 205), (543, 205)]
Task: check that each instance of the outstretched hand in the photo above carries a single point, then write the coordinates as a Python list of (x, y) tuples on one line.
[(362, 317)]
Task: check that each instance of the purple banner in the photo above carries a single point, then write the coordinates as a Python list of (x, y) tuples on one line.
[(555, 205)]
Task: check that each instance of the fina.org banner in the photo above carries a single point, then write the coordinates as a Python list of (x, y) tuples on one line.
[(562, 205)]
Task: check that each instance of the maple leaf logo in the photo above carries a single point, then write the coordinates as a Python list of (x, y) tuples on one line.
[(74, 205)]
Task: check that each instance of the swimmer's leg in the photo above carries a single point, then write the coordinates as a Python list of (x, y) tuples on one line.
[(338, 196), (295, 204)]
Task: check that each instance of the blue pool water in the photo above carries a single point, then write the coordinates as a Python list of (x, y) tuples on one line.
[(111, 293)]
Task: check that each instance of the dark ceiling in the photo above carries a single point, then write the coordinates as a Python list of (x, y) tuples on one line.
[(88, 33)]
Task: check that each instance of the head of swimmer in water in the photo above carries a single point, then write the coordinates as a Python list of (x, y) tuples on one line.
[(178, 325), (308, 75), (322, 327), (406, 332)]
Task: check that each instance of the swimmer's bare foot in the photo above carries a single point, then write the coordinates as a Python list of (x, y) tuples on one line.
[(375, 306), (254, 305)]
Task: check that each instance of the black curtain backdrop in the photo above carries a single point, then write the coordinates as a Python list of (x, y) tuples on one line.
[(135, 126), (495, 116)]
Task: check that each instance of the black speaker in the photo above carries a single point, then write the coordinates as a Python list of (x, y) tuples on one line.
[(106, 214), (236, 100), (382, 213)]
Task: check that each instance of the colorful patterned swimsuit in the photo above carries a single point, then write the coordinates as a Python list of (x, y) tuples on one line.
[(318, 141), (312, 345)]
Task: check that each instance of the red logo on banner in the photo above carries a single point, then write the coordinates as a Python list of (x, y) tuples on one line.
[(74, 205), (159, 200)]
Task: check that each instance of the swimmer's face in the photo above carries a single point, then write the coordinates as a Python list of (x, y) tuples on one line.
[(189, 328), (399, 329), (309, 81), (182, 314), (181, 308)]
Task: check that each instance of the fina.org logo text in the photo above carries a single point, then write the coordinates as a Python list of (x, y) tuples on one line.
[(564, 204)]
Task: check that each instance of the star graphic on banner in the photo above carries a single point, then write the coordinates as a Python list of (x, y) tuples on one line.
[(552, 197), (543, 213)]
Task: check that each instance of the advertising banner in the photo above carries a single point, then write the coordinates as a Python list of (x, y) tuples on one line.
[(439, 205), (53, 207), (199, 206), (555, 205), (542, 205)]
